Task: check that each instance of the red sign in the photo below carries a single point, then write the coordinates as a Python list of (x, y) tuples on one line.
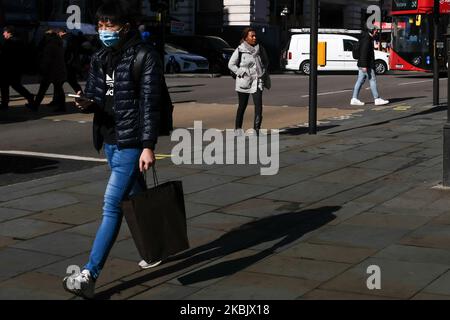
[(419, 6)]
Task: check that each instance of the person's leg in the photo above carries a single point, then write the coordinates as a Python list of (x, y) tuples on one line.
[(16, 84), (5, 94), (243, 102), (359, 83), (257, 100), (72, 80), (45, 84), (124, 166), (58, 96), (373, 83)]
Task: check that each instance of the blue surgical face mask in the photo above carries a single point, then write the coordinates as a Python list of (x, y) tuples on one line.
[(109, 38)]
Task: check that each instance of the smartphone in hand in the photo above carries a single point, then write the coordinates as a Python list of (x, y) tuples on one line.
[(78, 97)]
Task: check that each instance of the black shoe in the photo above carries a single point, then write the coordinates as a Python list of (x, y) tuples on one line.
[(32, 106), (3, 107), (59, 109)]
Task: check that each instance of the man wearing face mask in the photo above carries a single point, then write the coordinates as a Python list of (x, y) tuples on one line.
[(126, 125), (366, 65)]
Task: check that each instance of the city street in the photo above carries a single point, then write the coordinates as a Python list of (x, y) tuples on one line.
[(212, 100), (364, 192)]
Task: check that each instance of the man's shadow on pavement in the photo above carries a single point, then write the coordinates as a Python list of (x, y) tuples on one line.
[(284, 228)]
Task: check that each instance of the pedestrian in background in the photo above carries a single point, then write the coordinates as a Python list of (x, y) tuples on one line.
[(72, 59), (250, 63), (53, 70), (366, 65), (126, 125), (11, 67)]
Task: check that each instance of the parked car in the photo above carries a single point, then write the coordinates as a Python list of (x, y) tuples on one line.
[(177, 60), (215, 49), (339, 55)]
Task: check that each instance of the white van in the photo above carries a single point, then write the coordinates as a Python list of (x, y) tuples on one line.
[(339, 54)]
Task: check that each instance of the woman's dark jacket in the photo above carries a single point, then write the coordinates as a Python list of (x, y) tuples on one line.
[(52, 64), (136, 114), (367, 51)]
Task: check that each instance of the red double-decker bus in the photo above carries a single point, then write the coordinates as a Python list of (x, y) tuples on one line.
[(412, 34)]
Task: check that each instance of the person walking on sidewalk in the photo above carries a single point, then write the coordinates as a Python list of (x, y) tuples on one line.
[(250, 63), (53, 71), (366, 65), (126, 124), (11, 62)]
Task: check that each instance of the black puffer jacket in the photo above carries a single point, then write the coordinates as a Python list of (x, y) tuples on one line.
[(137, 115), (367, 51)]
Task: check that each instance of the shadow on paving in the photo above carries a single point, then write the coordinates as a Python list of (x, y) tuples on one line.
[(287, 228), (16, 114), (25, 165), (305, 130)]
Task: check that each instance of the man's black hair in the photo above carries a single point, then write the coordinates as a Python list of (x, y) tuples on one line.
[(10, 29), (117, 11)]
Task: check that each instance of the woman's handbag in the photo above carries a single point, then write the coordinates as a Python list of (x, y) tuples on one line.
[(156, 218)]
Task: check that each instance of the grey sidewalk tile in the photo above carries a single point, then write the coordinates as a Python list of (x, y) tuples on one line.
[(90, 230), (359, 236), (173, 173), (9, 213), (92, 188), (306, 192), (387, 221), (217, 270), (46, 201), (228, 194), (420, 210), (219, 221), (296, 157), (286, 176), (385, 146), (75, 214), (126, 250), (166, 292), (387, 163), (415, 254), (200, 236), (328, 253), (61, 243), (15, 261), (25, 228), (352, 176), (240, 170), (430, 236), (440, 286), (442, 219), (430, 296), (299, 268), (254, 286), (261, 208), (125, 294), (385, 192), (400, 280), (195, 209), (347, 211), (60, 268), (351, 156), (116, 269), (320, 294), (321, 165), (6, 241), (56, 186), (201, 181), (33, 286)]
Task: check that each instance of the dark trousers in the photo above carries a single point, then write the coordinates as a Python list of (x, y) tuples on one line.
[(72, 79), (15, 83), (243, 102), (58, 93)]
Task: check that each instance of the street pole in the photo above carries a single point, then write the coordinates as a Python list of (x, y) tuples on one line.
[(314, 38), (435, 53), (446, 178)]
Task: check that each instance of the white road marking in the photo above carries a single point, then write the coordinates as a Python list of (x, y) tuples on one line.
[(328, 93), (51, 155), (416, 82)]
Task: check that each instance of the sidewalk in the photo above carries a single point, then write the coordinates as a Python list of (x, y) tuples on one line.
[(360, 193)]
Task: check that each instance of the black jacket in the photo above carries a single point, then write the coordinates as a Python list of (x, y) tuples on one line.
[(52, 65), (12, 57), (367, 53), (137, 114)]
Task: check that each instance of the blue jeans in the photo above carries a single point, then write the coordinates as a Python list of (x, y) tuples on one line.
[(370, 74), (124, 181)]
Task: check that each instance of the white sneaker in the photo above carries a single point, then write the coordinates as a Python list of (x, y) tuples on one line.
[(356, 102), (80, 284), (144, 265), (381, 102), (251, 132), (239, 132)]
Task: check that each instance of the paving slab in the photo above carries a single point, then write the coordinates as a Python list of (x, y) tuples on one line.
[(195, 209), (45, 201), (166, 291), (261, 208), (370, 219), (320, 294), (228, 194), (201, 181), (352, 176), (75, 214), (90, 230), (16, 261), (399, 279), (219, 221), (415, 254), (25, 228), (9, 213), (254, 286), (430, 236)]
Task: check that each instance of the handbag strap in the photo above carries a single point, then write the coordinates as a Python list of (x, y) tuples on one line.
[(155, 176)]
